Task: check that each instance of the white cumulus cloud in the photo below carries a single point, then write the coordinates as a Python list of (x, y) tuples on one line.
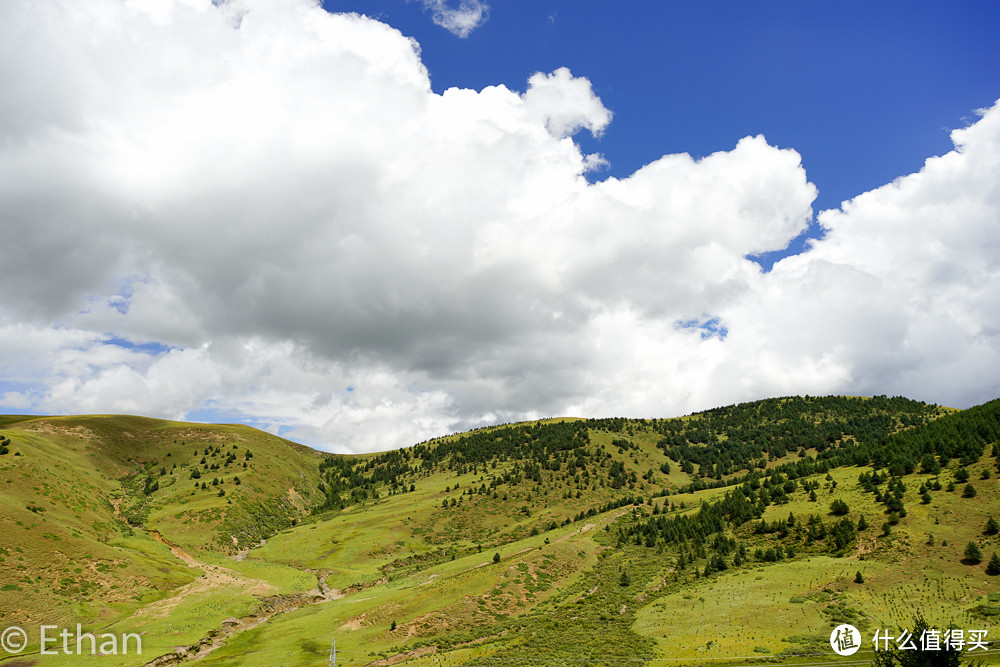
[(262, 210), (565, 104)]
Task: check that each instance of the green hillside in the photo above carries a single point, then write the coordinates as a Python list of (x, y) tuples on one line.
[(738, 535), (84, 496)]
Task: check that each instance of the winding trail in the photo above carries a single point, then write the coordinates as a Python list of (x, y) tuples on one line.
[(219, 577), (216, 576), (213, 576)]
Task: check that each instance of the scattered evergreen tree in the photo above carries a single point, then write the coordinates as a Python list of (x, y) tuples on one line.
[(839, 507), (993, 567), (929, 465), (992, 527), (858, 579), (972, 553), (969, 491)]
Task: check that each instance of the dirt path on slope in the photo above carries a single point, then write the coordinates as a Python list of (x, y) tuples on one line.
[(216, 576), (213, 577)]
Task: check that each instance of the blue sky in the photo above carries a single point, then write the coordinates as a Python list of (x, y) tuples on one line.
[(864, 91), (276, 213)]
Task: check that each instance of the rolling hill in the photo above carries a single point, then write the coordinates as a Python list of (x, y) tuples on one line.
[(736, 535)]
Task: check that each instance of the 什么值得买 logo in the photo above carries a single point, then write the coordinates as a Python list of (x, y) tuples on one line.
[(845, 639)]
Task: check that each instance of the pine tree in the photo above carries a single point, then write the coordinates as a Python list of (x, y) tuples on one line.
[(993, 567), (858, 579), (972, 553), (929, 465), (839, 507)]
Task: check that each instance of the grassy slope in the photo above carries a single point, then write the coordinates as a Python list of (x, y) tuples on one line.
[(554, 596), (783, 607), (762, 609), (70, 557), (786, 607)]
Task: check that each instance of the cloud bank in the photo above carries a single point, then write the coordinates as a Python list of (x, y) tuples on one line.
[(261, 210)]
